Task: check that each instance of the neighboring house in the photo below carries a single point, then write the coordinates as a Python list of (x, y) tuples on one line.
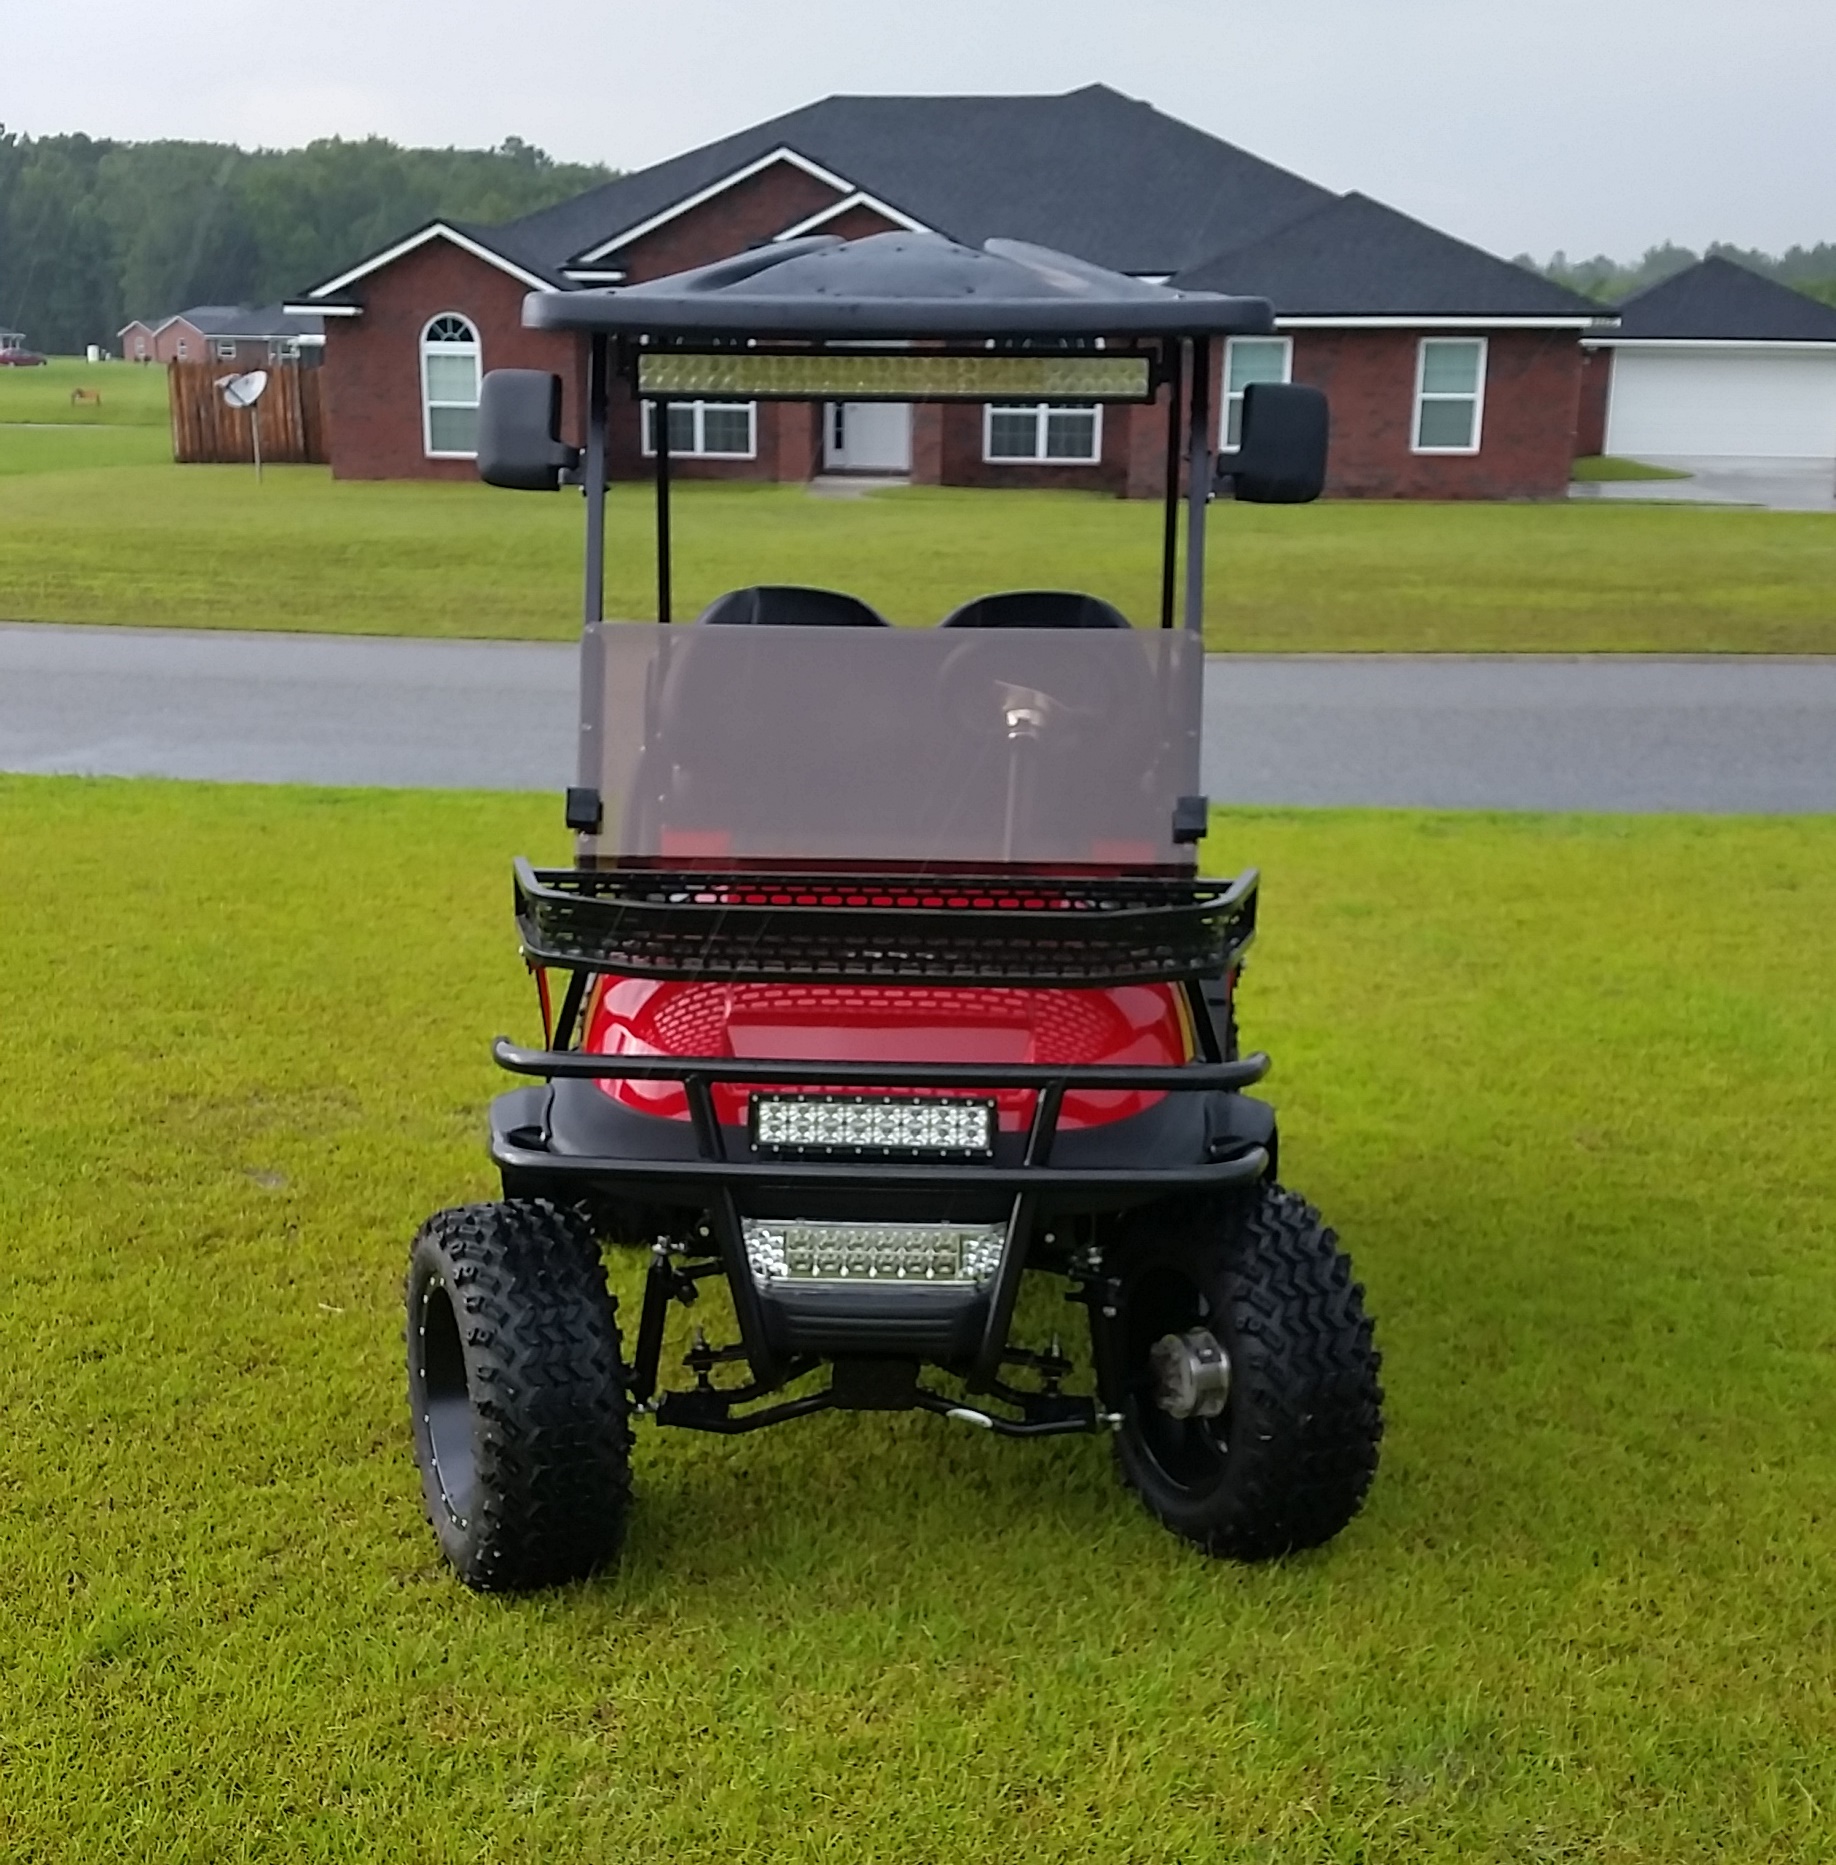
[(248, 336), (1715, 361), (1452, 374)]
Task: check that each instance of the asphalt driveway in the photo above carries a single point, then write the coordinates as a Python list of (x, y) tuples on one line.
[(1442, 731)]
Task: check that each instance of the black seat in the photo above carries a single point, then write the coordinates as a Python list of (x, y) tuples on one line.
[(788, 605), (1036, 608)]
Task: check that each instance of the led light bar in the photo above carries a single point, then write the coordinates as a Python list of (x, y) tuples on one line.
[(810, 1250), (913, 375), (857, 1125)]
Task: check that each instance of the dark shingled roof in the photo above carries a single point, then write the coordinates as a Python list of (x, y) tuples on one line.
[(1091, 172), (1719, 301), (1354, 257), (241, 320)]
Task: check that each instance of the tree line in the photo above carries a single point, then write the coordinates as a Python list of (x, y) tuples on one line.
[(94, 233), (1810, 269)]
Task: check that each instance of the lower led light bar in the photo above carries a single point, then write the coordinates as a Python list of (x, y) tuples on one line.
[(811, 1250), (858, 1125)]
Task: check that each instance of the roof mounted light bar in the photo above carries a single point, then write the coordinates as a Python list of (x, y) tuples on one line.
[(853, 375)]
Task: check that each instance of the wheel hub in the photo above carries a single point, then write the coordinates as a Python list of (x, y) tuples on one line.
[(1191, 1374)]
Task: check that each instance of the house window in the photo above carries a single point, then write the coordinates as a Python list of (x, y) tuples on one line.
[(184, 349), (1050, 432), (449, 387), (1247, 360), (284, 349), (1449, 394), (140, 346), (705, 430)]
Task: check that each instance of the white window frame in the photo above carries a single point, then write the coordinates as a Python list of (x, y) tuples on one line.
[(1234, 398), (476, 349), (1040, 412), (223, 349), (1423, 396), (184, 349), (700, 450)]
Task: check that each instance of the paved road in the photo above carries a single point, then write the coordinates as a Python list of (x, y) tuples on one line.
[(1504, 732)]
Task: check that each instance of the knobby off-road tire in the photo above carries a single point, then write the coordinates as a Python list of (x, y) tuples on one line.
[(1287, 1462), (516, 1388)]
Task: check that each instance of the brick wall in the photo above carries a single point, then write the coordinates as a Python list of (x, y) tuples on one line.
[(373, 363), (1596, 391), (749, 212), (1527, 440)]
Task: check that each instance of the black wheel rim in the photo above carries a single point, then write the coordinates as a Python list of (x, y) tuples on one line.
[(445, 1404), (1188, 1453)]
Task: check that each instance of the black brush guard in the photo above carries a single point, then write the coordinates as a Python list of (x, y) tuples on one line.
[(1083, 932)]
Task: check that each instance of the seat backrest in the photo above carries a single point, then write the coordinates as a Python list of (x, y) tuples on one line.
[(1036, 608), (788, 605)]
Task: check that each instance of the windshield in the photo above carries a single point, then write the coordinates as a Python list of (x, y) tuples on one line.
[(890, 746)]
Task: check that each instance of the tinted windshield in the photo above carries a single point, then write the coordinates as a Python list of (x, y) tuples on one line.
[(889, 745)]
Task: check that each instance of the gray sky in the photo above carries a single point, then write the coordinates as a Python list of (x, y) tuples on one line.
[(1521, 124)]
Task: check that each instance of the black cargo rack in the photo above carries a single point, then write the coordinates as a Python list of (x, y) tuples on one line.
[(1075, 931)]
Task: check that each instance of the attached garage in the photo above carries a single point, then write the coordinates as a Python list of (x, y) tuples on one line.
[(1771, 400), (1719, 362)]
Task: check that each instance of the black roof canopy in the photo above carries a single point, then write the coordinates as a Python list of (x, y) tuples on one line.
[(898, 285)]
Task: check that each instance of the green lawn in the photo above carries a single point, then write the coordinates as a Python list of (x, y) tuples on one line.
[(209, 547), (1571, 1116), (132, 394), (1600, 467)]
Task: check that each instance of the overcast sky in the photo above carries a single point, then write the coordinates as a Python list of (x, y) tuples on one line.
[(1522, 124)]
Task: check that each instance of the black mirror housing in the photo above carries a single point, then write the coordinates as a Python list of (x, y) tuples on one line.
[(519, 431), (1282, 459)]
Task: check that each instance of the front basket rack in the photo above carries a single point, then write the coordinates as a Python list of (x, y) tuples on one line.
[(1072, 931)]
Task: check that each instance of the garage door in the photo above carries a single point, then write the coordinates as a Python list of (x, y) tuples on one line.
[(1778, 404)]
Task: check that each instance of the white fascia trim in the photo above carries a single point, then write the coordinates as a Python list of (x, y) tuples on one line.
[(1444, 323), (438, 231), (587, 275), (859, 198), (714, 188), (322, 310), (1756, 346)]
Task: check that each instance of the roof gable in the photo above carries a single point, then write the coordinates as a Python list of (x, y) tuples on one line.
[(496, 246), (1717, 301), (1356, 258), (1090, 172)]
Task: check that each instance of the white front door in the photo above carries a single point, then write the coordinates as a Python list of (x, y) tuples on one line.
[(867, 437)]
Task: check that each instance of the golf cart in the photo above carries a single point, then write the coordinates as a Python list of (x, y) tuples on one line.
[(884, 978)]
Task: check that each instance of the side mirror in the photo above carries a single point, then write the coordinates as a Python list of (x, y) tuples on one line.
[(1282, 460), (519, 431)]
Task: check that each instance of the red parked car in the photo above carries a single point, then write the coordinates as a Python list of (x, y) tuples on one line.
[(21, 359)]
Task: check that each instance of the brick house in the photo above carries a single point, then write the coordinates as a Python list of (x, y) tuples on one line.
[(247, 336), (1452, 374)]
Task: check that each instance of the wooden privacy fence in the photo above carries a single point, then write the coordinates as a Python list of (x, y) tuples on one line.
[(205, 428)]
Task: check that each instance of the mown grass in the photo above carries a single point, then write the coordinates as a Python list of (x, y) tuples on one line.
[(209, 547), (1600, 467), (1564, 1084), (132, 395)]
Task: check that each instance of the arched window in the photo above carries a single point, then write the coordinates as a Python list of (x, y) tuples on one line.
[(449, 387)]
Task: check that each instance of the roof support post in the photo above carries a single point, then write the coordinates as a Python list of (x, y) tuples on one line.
[(659, 417), (1198, 482), (592, 658), (1171, 351)]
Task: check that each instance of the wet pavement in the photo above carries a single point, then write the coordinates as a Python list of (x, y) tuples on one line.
[(1778, 485), (1542, 732)]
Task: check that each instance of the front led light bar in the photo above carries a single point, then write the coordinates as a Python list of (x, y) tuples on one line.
[(810, 1250), (909, 375), (858, 1125)]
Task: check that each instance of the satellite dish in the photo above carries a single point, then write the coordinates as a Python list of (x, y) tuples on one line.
[(244, 391)]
